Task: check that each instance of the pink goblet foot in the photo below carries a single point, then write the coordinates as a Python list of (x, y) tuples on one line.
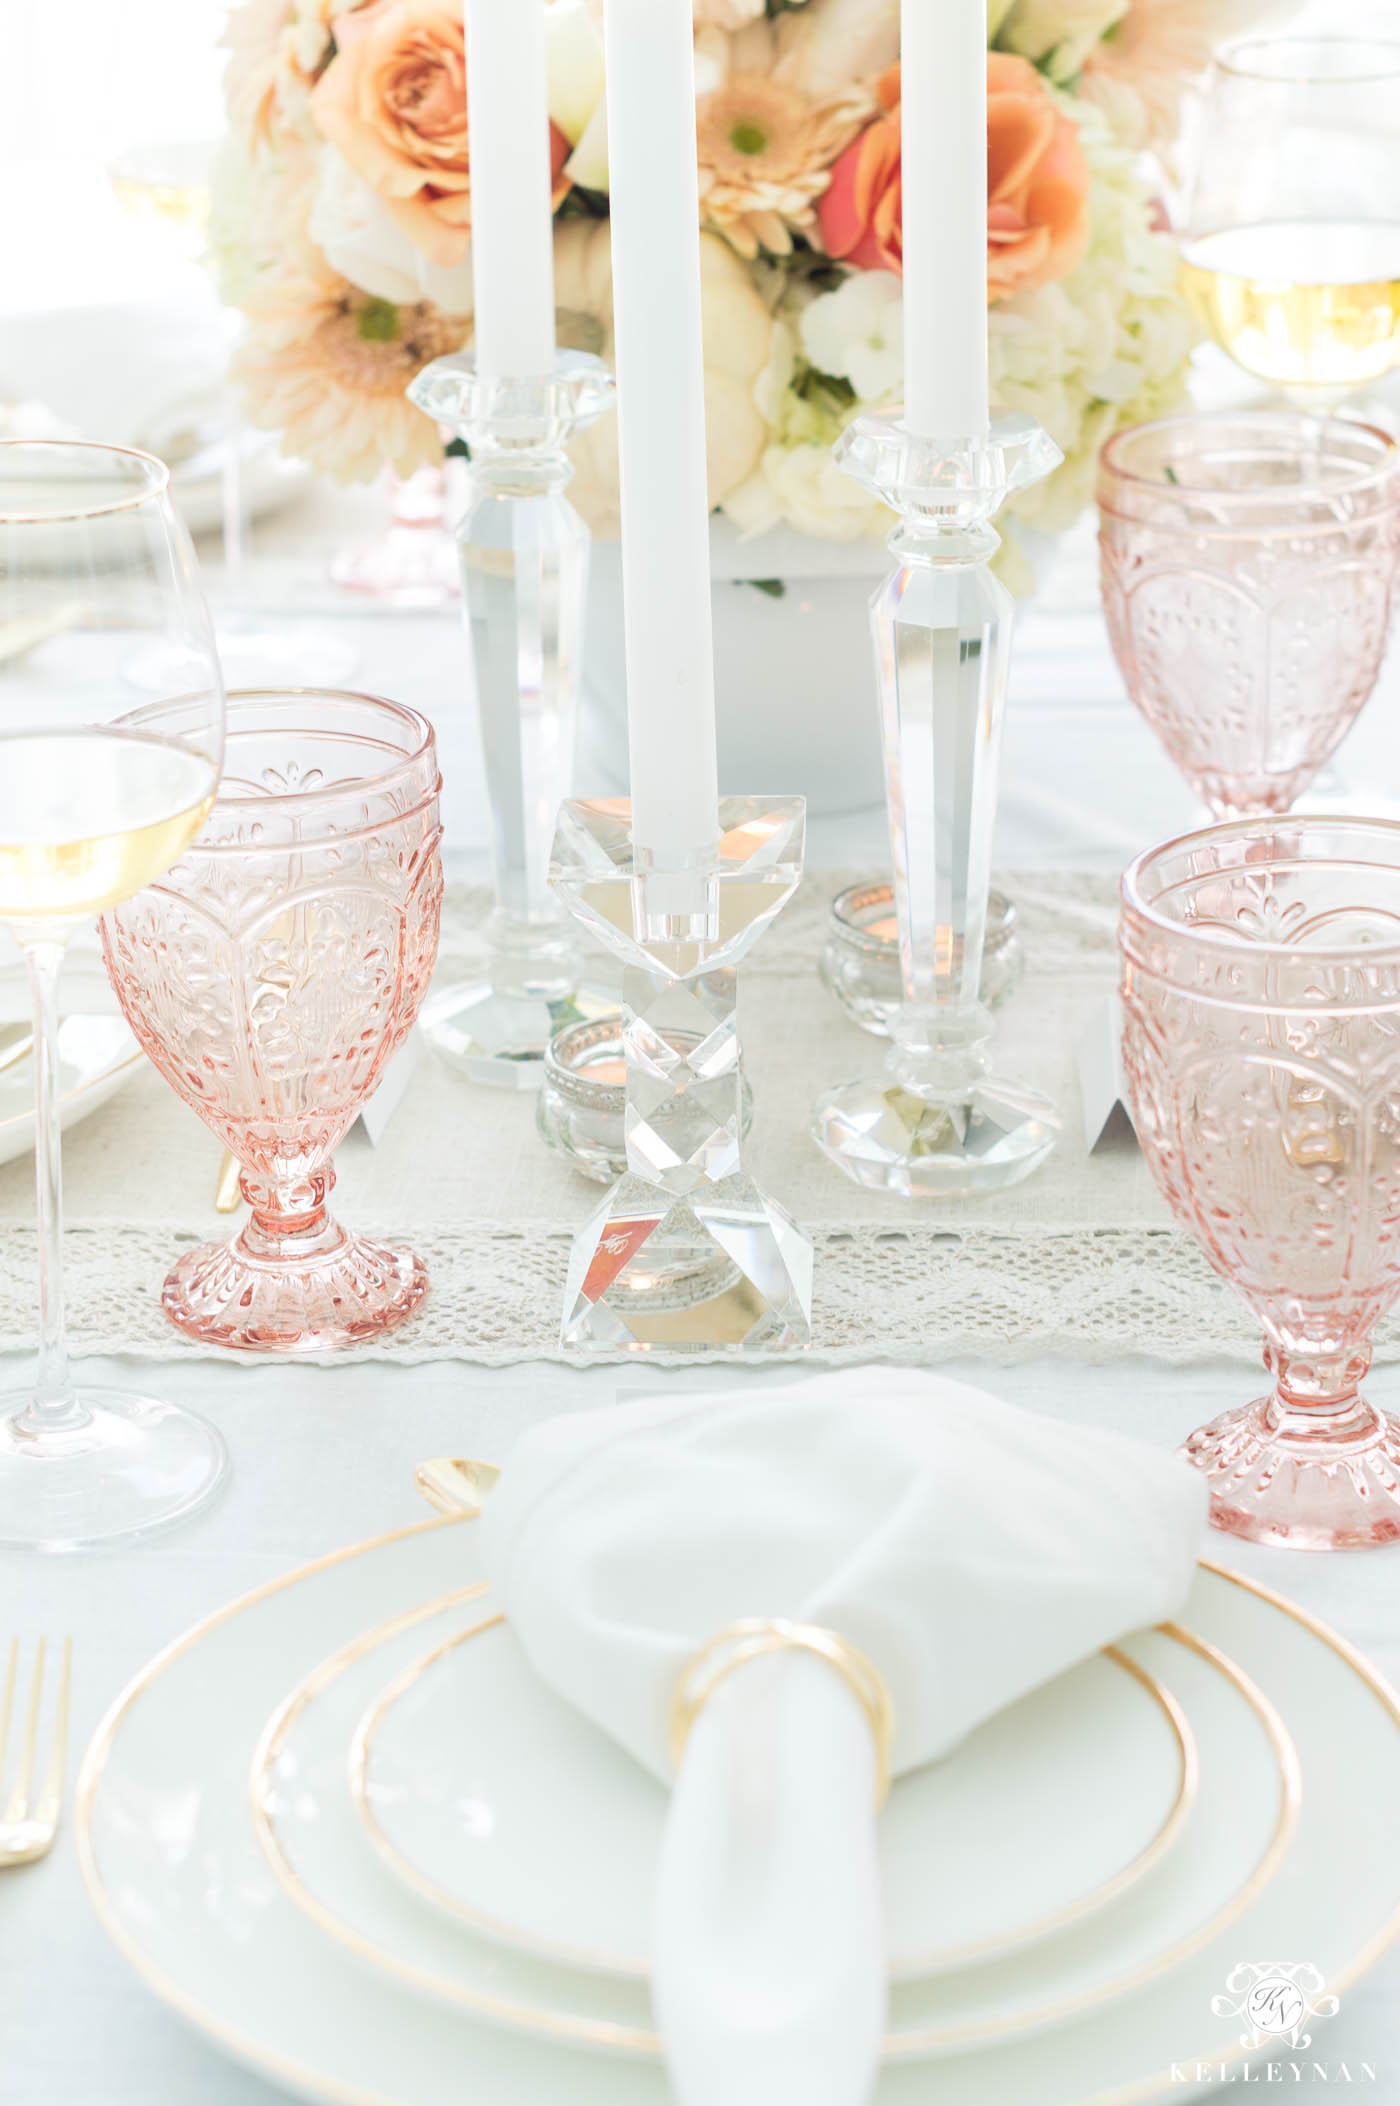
[(293, 1287), (1304, 1472)]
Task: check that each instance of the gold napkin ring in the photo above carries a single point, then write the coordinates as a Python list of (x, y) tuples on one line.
[(751, 1639)]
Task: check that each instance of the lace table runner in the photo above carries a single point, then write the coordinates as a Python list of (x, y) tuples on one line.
[(1081, 1260)]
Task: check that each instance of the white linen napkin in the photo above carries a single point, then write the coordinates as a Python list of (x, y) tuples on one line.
[(970, 1549)]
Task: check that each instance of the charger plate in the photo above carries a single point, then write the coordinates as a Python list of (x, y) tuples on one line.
[(168, 1854), (467, 1774), (305, 1820)]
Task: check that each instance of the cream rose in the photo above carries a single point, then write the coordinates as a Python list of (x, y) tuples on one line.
[(738, 334)]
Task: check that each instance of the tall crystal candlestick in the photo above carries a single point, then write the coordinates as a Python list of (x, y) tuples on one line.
[(937, 1123), (686, 1253), (524, 558)]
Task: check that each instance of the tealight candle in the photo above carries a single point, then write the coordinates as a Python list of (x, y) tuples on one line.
[(512, 211)]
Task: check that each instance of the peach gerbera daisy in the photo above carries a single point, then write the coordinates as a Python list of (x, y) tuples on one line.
[(1139, 72), (327, 366), (766, 152)]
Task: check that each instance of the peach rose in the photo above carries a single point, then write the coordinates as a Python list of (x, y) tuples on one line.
[(393, 103), (1037, 185)]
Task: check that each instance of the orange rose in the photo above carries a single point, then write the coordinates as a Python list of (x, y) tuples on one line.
[(1037, 185), (393, 102)]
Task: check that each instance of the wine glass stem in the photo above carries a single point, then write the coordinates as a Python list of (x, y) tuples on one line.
[(231, 498), (54, 1405)]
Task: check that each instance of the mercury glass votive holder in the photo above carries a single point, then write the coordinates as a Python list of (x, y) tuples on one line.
[(582, 1106), (859, 962)]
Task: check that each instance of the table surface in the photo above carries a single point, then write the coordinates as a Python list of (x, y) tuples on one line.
[(323, 1456)]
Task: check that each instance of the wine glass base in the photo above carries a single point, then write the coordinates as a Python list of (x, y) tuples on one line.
[(131, 1465), (889, 1139), (493, 1037), (1338, 1491), (342, 1297)]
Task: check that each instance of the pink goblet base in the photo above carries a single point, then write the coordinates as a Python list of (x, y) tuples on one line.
[(1299, 1479), (333, 1292), (268, 1291)]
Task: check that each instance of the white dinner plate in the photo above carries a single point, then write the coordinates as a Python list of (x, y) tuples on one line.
[(96, 1051), (467, 1774), (1231, 1843), (167, 1850)]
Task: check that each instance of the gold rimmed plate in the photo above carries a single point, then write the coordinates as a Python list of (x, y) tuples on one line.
[(168, 1853), (467, 1774), (1228, 1849)]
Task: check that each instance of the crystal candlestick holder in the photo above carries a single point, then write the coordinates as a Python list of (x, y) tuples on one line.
[(685, 1252), (523, 552), (938, 1122)]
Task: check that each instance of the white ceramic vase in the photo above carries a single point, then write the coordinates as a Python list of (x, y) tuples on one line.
[(794, 681), (794, 677)]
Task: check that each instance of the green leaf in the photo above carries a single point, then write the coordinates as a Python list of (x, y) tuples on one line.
[(773, 587)]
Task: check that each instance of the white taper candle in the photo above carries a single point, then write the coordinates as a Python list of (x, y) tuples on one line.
[(943, 114), (512, 211), (655, 207)]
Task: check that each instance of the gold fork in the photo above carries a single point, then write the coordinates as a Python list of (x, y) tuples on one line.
[(29, 1823)]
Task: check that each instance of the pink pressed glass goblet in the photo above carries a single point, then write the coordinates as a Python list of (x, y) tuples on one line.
[(1249, 563), (1261, 1038), (270, 976)]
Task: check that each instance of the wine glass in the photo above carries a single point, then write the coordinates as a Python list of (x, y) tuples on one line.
[(93, 561), (1292, 249), (168, 184)]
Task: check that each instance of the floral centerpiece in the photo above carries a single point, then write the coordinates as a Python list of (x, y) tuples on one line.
[(342, 228)]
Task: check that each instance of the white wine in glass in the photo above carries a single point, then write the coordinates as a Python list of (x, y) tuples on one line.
[(1292, 254), (93, 563), (87, 817), (167, 184)]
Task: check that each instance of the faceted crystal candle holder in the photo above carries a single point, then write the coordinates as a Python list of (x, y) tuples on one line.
[(524, 559), (859, 963), (938, 1122), (685, 1252), (581, 1110)]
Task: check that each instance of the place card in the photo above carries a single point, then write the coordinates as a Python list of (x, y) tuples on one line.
[(1103, 1087)]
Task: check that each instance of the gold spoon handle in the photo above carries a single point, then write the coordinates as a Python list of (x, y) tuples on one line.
[(455, 1484)]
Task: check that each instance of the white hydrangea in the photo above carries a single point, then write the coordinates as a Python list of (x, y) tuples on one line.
[(857, 332)]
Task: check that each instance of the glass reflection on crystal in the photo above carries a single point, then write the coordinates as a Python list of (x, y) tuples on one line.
[(686, 1250), (581, 1109)]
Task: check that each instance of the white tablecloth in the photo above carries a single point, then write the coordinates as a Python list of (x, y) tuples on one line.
[(324, 1456)]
